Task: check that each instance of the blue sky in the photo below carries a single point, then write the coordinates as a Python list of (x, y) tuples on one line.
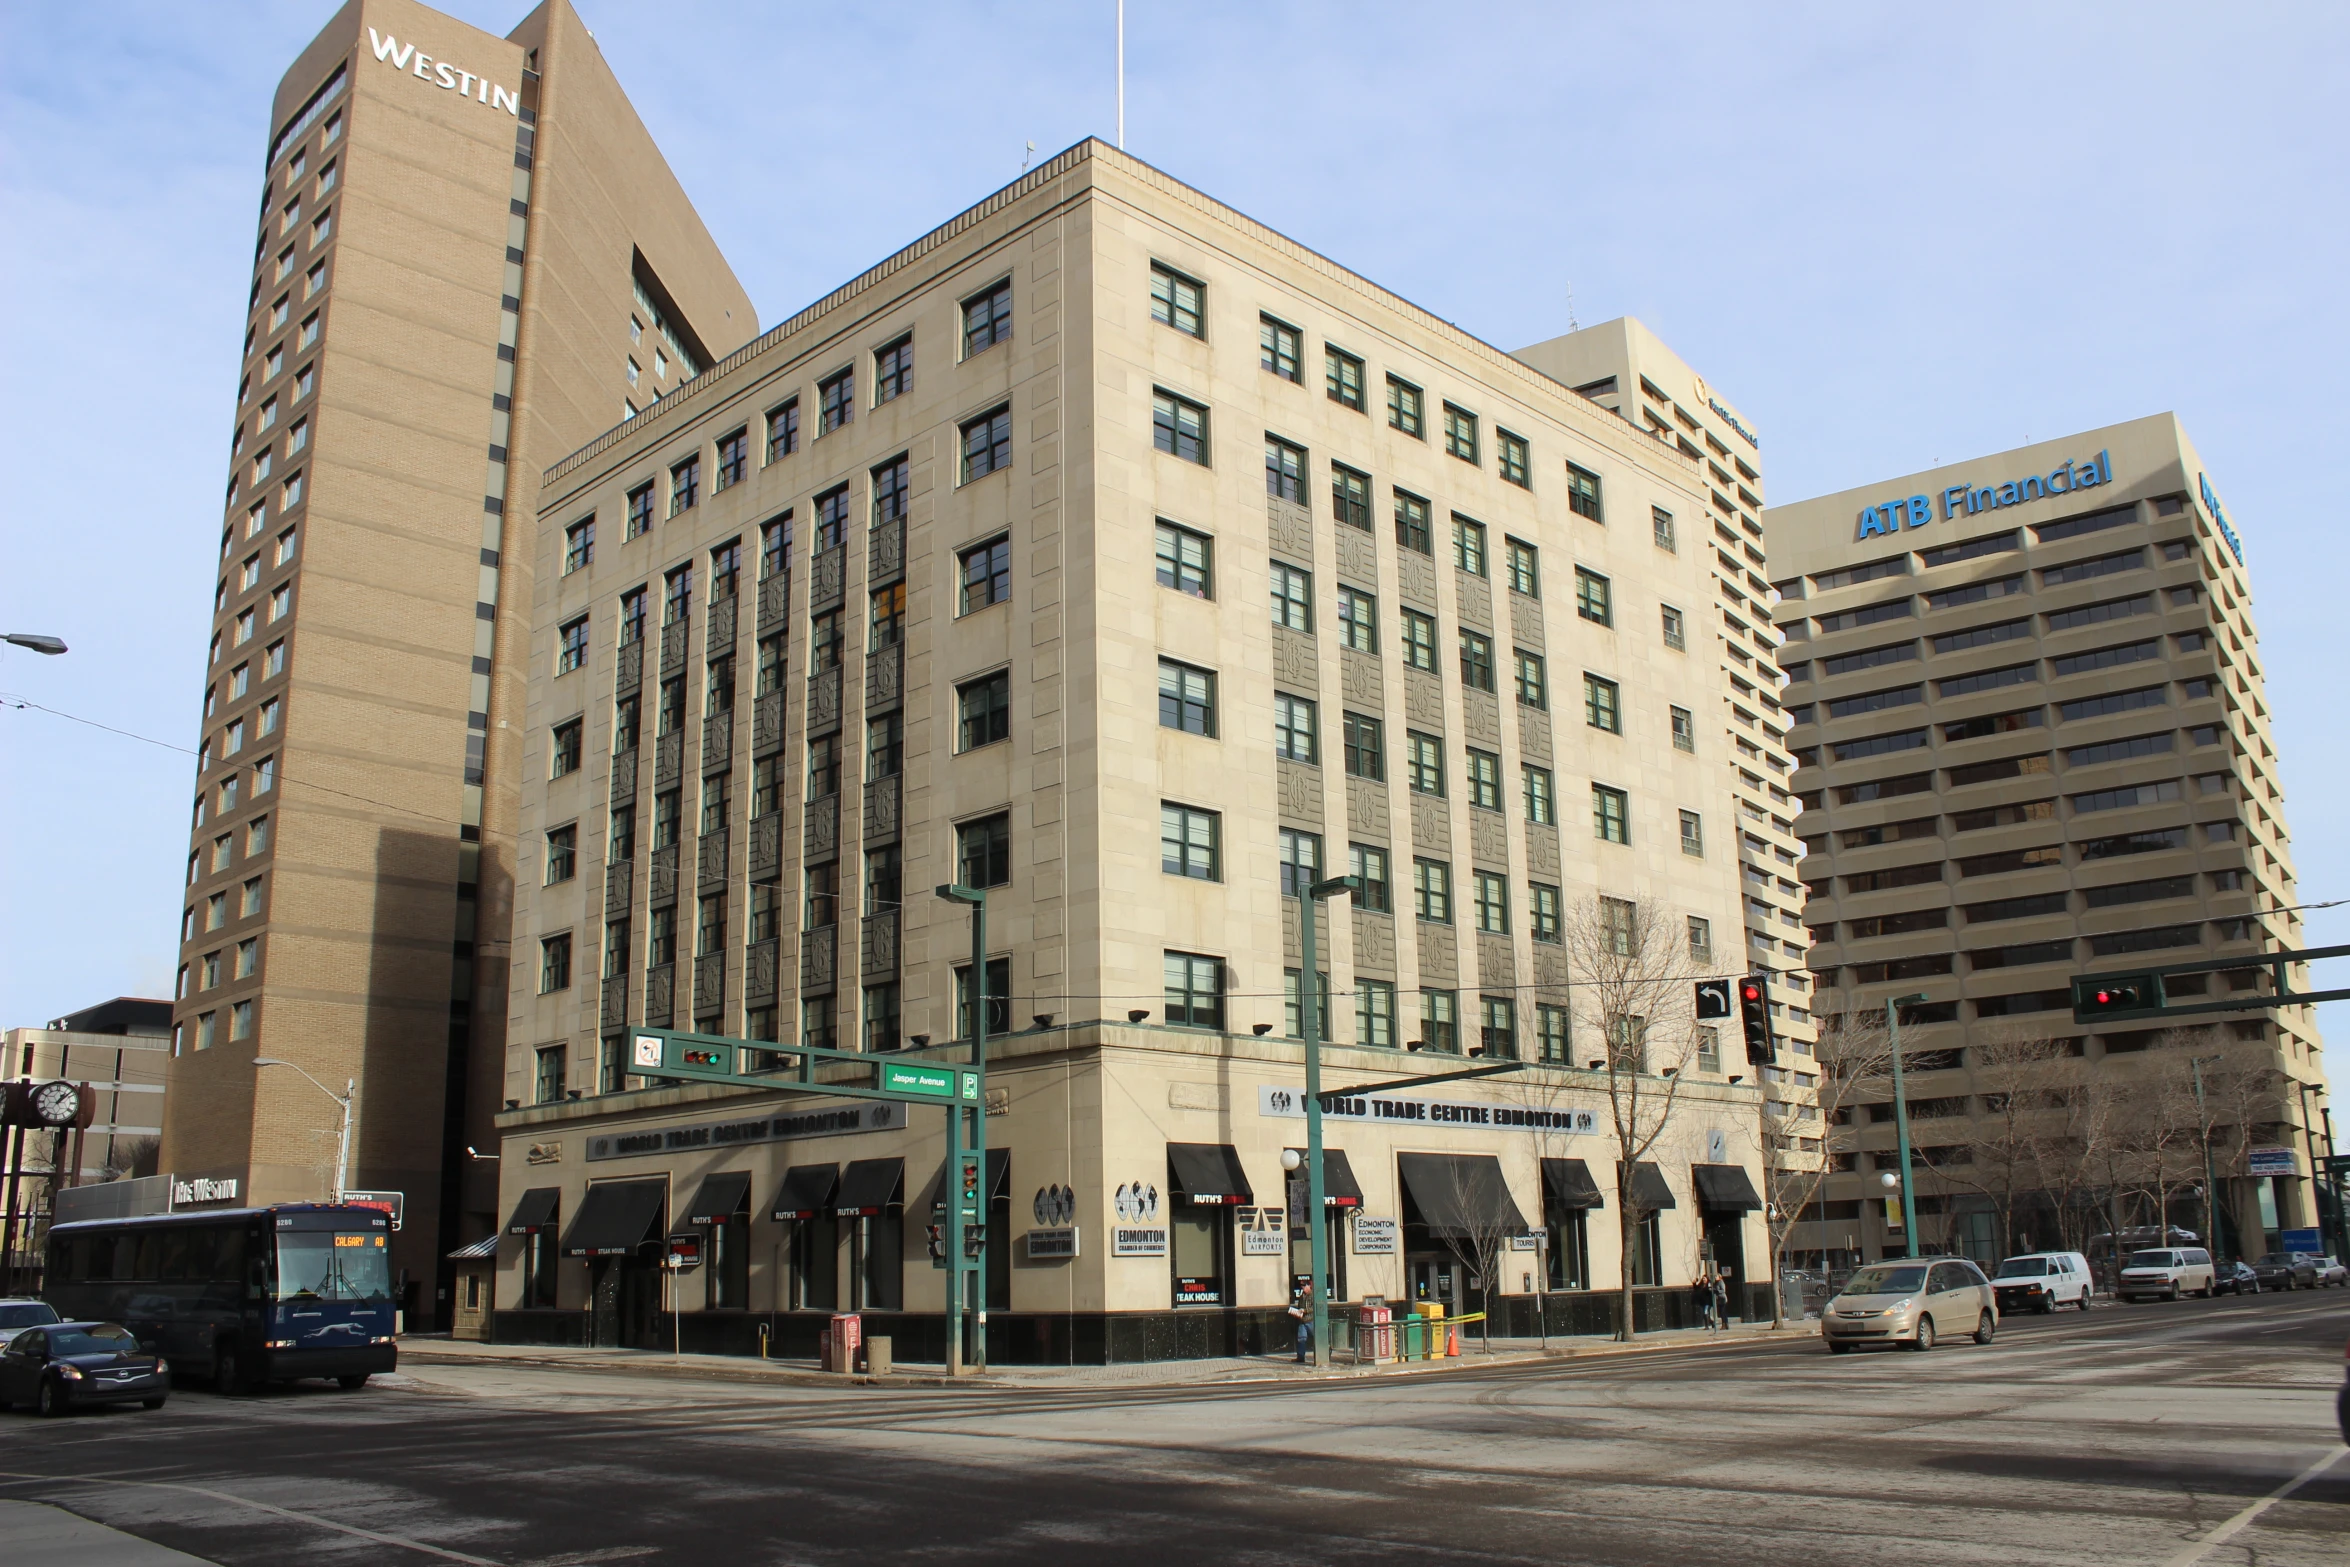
[(1893, 235)]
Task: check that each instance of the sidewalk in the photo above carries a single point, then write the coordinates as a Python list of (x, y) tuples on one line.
[(424, 1351)]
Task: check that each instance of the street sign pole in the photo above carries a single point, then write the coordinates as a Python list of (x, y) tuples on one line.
[(2210, 1189), (964, 1270), (1909, 1207), (1309, 1025)]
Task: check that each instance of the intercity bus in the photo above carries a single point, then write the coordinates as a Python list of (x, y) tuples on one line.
[(246, 1295)]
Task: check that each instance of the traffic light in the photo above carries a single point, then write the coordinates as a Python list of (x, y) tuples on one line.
[(700, 1056), (938, 1242), (1754, 1015), (970, 1185), (2116, 996)]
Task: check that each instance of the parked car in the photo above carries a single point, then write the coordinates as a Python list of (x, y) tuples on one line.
[(2235, 1278), (64, 1365), (2286, 1270), (2166, 1274), (2042, 1281), (2331, 1271), (1913, 1301), (18, 1313)]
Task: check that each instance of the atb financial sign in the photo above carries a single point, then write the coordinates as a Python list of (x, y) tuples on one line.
[(1968, 499)]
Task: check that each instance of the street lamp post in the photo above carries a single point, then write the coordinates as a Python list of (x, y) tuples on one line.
[(345, 1098), (36, 641), (1909, 1212), (2210, 1186), (959, 1273), (1309, 1027)]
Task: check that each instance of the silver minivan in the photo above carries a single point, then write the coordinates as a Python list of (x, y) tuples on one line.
[(1914, 1301)]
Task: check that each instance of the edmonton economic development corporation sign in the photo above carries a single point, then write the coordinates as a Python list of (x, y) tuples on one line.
[(1289, 1104)]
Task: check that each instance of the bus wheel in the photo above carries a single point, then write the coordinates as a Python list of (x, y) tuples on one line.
[(352, 1383), (227, 1376)]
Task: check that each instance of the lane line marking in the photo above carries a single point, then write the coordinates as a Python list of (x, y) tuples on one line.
[(2220, 1536), (267, 1507)]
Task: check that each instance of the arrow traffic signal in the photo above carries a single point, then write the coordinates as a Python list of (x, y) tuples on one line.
[(1754, 1016)]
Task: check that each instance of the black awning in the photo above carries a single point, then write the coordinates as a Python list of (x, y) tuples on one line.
[(1567, 1185), (1460, 1196), (1208, 1174), (483, 1250), (534, 1210), (722, 1197), (869, 1186), (807, 1191), (1649, 1191), (1724, 1188), (615, 1218), (999, 1175), (1340, 1189)]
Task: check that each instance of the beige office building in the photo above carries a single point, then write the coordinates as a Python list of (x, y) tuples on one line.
[(2035, 744), (469, 259), (1110, 551)]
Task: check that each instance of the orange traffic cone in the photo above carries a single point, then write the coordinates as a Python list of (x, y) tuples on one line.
[(1452, 1343)]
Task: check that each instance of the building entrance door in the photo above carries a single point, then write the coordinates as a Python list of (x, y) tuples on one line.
[(1725, 1237), (604, 1302), (1435, 1277)]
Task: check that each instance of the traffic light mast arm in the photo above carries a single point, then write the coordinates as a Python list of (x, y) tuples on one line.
[(2279, 964)]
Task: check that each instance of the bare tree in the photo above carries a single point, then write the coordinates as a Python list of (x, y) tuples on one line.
[(1631, 978), (2016, 1076), (1480, 1233), (1853, 1056), (129, 1157)]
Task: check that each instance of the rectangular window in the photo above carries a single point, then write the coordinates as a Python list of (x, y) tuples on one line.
[(1611, 820), (1370, 864), (1498, 1027), (1460, 433), (734, 456), (640, 510), (1603, 704), (1405, 409), (1619, 922), (888, 617), (1552, 1038), (1517, 466), (554, 964), (884, 880), (1195, 990), (1178, 301), (726, 569), (1440, 1024), (983, 710), (823, 767), (1350, 497), (1676, 636), (1293, 598), (1424, 763), (783, 430), (1343, 375), (771, 665), (987, 444), (571, 646), (579, 545), (1411, 524), (1432, 891), (893, 371), (819, 1023), (1525, 563), (685, 485), (1190, 842), (1301, 861), (1493, 903), (632, 616), (1583, 493), (1294, 729), (1541, 797), (987, 320), (1280, 349), (1692, 834), (568, 742), (1294, 1023), (1358, 620), (1533, 683), (1593, 601), (1701, 939), (775, 547), (983, 851), (1419, 641), (1179, 427), (1542, 911), (881, 1023), (885, 746), (1476, 660), (836, 402), (1365, 755), (766, 920), (249, 904), (767, 781), (671, 717), (1187, 698), (1468, 545), (1185, 561), (1285, 470), (1484, 780), (998, 980), (823, 896), (986, 574), (677, 595), (1375, 1014), (892, 484)]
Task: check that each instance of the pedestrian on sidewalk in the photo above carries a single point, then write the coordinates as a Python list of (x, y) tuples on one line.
[(1721, 1303), (1702, 1296), (1301, 1306)]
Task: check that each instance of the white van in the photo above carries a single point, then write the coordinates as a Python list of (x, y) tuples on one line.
[(2043, 1281), (2167, 1273)]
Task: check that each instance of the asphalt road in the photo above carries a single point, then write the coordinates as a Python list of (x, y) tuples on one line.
[(2153, 1434)]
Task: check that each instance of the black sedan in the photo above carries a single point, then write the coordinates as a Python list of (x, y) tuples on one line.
[(2234, 1278), (69, 1364), (2286, 1270)]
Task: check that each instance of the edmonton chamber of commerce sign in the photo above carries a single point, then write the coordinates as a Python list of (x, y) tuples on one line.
[(1968, 499), (440, 73), (1288, 1104)]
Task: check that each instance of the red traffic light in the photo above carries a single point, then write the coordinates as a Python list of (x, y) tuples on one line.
[(1750, 991)]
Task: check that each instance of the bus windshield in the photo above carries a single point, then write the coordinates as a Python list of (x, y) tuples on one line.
[(324, 1265)]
